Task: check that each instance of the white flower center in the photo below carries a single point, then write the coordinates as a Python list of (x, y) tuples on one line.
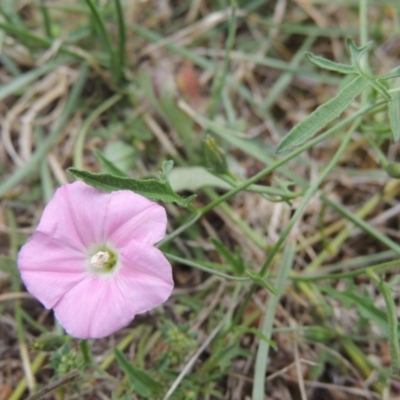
[(99, 259)]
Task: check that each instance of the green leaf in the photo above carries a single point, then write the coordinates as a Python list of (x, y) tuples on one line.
[(214, 157), (393, 326), (392, 169), (261, 282), (234, 259), (49, 341), (394, 115), (23, 81), (357, 53), (365, 306), (121, 154), (324, 63), (108, 165), (181, 178), (323, 115), (394, 73), (257, 333), (381, 89), (153, 189), (143, 382)]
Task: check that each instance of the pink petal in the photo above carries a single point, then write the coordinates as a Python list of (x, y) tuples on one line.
[(49, 268), (100, 305), (76, 215), (94, 308), (145, 276), (134, 217)]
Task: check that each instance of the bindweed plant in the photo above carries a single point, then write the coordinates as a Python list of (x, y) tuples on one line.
[(205, 194)]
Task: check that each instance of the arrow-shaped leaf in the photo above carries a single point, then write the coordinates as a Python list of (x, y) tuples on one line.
[(330, 65), (323, 115), (153, 189)]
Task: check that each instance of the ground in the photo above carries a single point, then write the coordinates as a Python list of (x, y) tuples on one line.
[(285, 264)]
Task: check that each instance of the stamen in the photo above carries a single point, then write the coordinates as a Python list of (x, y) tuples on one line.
[(99, 259)]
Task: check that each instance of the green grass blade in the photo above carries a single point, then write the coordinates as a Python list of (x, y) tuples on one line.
[(273, 301), (121, 35), (143, 382), (394, 115), (24, 80), (393, 334), (364, 225), (46, 18), (323, 115), (25, 35), (105, 39), (220, 78)]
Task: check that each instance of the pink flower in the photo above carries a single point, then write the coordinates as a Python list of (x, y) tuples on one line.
[(92, 259)]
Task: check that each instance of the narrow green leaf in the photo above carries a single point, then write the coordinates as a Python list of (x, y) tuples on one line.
[(153, 189), (258, 280), (86, 352), (394, 115), (323, 115), (105, 38), (394, 73), (393, 324), (235, 262), (393, 327), (392, 169), (144, 383), (121, 34), (107, 165), (380, 88), (24, 80), (260, 368), (25, 34), (357, 53), (214, 157), (324, 63), (365, 306), (46, 18)]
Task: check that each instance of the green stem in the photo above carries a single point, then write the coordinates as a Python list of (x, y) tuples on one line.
[(193, 264), (46, 19), (244, 185), (299, 211), (121, 35), (350, 274), (392, 320), (268, 323), (219, 80), (105, 39)]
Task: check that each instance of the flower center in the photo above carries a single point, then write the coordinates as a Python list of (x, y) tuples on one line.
[(103, 260), (100, 258)]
